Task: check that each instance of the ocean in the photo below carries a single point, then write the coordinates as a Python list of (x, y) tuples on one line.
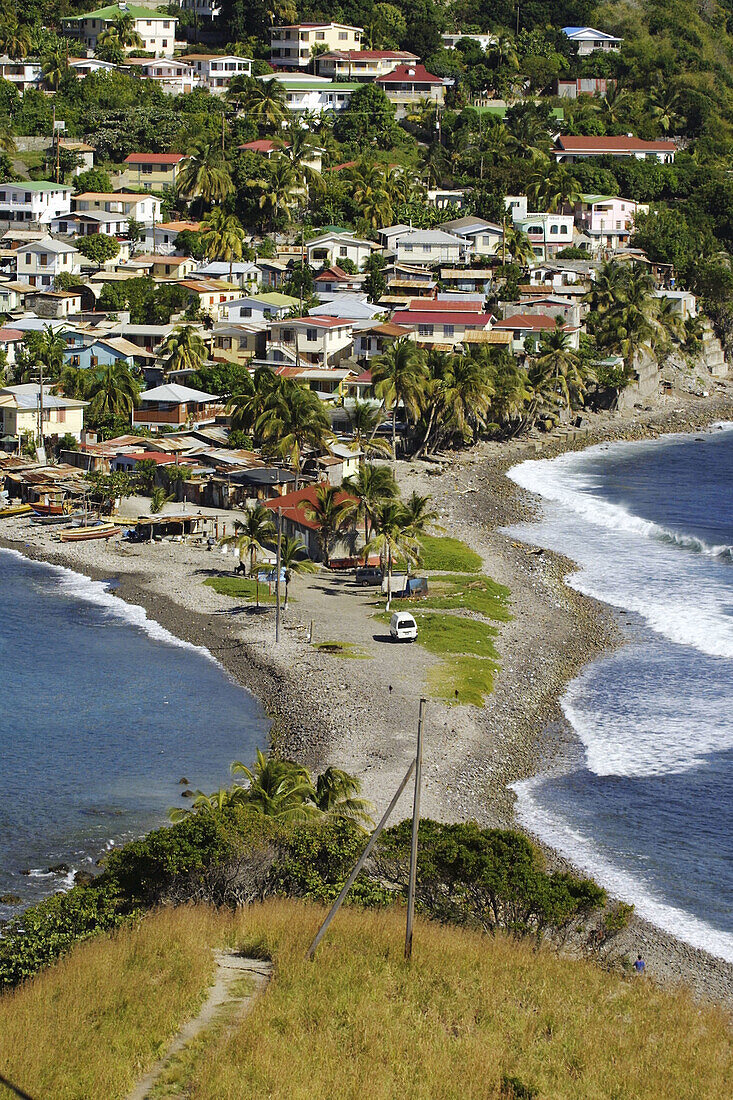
[(102, 712), (645, 800)]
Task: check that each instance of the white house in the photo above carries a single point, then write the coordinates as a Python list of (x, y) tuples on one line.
[(205, 11), (450, 41), (34, 201), (40, 262), (172, 76), (157, 30), (334, 248), (216, 71), (548, 233), (588, 40), (322, 341), (432, 246), (607, 220), (528, 330), (407, 85), (245, 274), (23, 73), (484, 237), (293, 46), (350, 307), (142, 208), (313, 94), (162, 237), (83, 66), (569, 149), (258, 307), (362, 65)]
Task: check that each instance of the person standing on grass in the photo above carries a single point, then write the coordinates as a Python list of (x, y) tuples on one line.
[(639, 965)]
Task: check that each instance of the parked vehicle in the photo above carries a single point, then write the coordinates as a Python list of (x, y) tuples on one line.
[(402, 627), (368, 575), (404, 586)]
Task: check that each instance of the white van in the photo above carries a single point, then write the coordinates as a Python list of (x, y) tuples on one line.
[(402, 627)]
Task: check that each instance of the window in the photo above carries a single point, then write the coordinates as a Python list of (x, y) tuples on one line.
[(61, 416), (320, 36), (343, 251), (165, 42), (147, 169), (449, 330), (554, 229), (426, 248), (311, 334), (246, 311), (425, 330), (407, 247), (27, 197), (343, 36)]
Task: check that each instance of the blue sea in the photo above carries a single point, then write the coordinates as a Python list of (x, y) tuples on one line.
[(645, 801), (102, 712)]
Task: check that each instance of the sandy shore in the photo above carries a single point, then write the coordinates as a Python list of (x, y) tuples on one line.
[(361, 714)]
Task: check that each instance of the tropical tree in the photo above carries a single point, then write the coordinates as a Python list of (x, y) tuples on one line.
[(277, 788), (614, 104), (223, 237), (553, 187), (337, 795), (419, 514), (294, 419), (55, 67), (511, 394), (113, 392), (121, 33), (331, 513), (294, 559), (300, 147), (364, 419), (15, 38), (399, 376), (205, 175), (277, 191), (393, 539), (7, 140), (665, 103), (265, 102), (369, 488), (250, 535), (561, 364), (518, 245), (371, 194), (158, 499), (458, 395), (49, 348), (183, 349), (255, 394)]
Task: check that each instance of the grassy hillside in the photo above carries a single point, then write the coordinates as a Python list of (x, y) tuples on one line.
[(471, 1017)]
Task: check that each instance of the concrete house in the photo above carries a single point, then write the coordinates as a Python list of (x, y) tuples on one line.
[(588, 40), (162, 237), (292, 46), (443, 324), (36, 202), (259, 307), (432, 246), (350, 307), (20, 412), (528, 329), (23, 73), (362, 65), (409, 84), (334, 280), (210, 295), (295, 509), (548, 233), (175, 406), (216, 71), (244, 274), (314, 341), (485, 237), (607, 220), (86, 225), (152, 171), (569, 149), (54, 304), (172, 76), (583, 85), (140, 208), (331, 248), (372, 339), (238, 342), (157, 31), (41, 261)]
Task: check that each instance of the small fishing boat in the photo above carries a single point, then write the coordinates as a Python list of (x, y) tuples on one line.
[(85, 534), (48, 509), (47, 520), (15, 510)]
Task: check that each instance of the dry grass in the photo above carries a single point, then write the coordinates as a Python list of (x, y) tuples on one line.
[(469, 1013)]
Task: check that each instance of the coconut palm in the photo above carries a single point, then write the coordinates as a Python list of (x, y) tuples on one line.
[(158, 499), (7, 140), (511, 396), (256, 393), (434, 165), (183, 349), (370, 192), (369, 487), (49, 348), (113, 392), (614, 104), (559, 362), (518, 245), (300, 147), (458, 396), (503, 52), (294, 419), (393, 539), (278, 789), (205, 175), (294, 559), (337, 795), (553, 187), (265, 103), (399, 376), (250, 535), (665, 104), (15, 38), (364, 419), (277, 191), (223, 237), (122, 33), (55, 67), (421, 518), (331, 513)]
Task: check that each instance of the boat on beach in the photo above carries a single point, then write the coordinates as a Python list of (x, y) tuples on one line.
[(15, 510), (49, 509), (86, 534)]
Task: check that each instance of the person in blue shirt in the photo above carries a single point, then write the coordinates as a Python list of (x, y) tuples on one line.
[(639, 965)]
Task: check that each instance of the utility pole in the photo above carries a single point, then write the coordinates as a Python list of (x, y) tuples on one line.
[(415, 830), (222, 133), (278, 560)]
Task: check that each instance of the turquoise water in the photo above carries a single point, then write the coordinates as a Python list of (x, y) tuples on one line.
[(102, 712)]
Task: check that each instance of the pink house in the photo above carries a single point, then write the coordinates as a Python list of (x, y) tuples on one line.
[(607, 220)]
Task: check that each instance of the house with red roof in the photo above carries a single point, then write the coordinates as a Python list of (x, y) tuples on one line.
[(443, 326), (528, 329), (334, 279), (296, 511), (152, 171), (408, 84), (570, 149), (362, 65)]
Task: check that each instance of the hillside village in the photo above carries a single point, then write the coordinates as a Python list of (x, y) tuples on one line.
[(234, 272)]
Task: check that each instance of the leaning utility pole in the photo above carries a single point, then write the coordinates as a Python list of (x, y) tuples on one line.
[(415, 830), (278, 560)]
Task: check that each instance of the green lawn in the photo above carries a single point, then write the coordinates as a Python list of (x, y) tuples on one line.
[(462, 592), (342, 649), (447, 555), (241, 588), (466, 680)]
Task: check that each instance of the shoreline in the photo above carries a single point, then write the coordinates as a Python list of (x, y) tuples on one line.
[(472, 757)]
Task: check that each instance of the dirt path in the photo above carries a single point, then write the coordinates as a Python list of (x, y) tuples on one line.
[(230, 969)]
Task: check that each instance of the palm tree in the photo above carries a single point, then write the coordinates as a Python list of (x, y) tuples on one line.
[(370, 193), (393, 539), (399, 378), (665, 103), (434, 164), (554, 187), (559, 362), (277, 191), (511, 396), (121, 32), (294, 559), (256, 394), (300, 147), (50, 348), (458, 396), (265, 103), (518, 245), (332, 515), (158, 499), (113, 392), (7, 140), (15, 38), (183, 349), (55, 67), (420, 516), (369, 487), (249, 537), (205, 175), (613, 104), (278, 789), (222, 236), (337, 795), (295, 418), (365, 419), (503, 52)]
